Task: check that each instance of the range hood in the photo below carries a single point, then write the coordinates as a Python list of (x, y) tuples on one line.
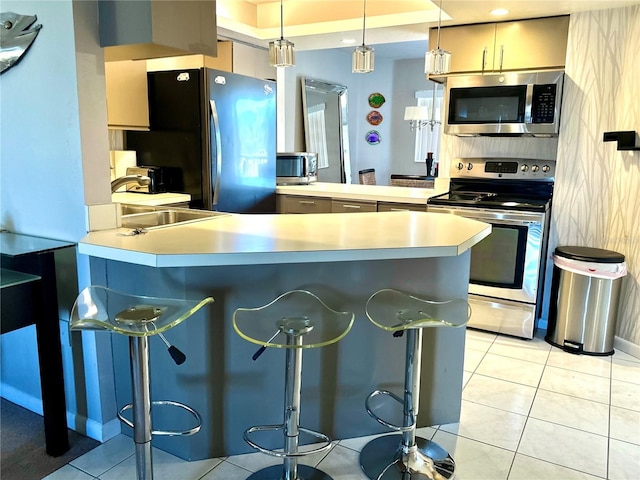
[(142, 29)]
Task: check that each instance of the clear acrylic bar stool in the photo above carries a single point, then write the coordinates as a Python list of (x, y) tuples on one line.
[(294, 321), (402, 455), (138, 317)]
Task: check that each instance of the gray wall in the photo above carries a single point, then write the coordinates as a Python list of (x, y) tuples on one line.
[(55, 160)]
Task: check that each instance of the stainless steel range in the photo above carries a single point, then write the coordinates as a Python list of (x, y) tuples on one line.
[(507, 267)]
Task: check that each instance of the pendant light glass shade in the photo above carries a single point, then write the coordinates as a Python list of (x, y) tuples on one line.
[(282, 52), (437, 61), (363, 59), (363, 56)]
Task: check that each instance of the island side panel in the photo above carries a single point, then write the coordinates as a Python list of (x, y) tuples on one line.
[(232, 392)]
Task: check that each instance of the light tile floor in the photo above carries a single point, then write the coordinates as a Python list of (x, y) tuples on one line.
[(529, 411)]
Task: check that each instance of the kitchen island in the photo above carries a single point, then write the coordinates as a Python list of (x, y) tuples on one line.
[(247, 260)]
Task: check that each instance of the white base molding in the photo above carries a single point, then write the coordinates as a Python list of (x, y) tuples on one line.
[(626, 346), (79, 423)]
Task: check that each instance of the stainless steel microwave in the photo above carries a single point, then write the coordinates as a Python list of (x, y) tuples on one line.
[(296, 168), (504, 104)]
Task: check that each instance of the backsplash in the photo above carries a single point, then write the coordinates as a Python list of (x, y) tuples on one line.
[(596, 192), (504, 147)]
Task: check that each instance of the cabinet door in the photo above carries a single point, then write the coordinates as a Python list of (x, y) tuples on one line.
[(352, 206), (401, 207), (126, 85), (471, 46), (296, 204), (529, 44)]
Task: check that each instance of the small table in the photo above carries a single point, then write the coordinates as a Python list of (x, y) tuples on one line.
[(29, 297)]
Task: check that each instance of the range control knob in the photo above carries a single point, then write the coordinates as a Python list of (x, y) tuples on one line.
[(546, 168), (524, 168), (469, 166), (460, 166), (535, 168)]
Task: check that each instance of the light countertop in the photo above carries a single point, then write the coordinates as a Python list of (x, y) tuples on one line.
[(150, 198), (240, 239), (376, 193)]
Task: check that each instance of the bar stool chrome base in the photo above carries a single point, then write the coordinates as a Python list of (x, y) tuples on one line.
[(326, 441), (170, 433), (305, 472), (298, 315), (403, 455), (138, 317), (384, 458)]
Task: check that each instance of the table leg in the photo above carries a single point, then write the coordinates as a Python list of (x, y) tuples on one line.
[(49, 348)]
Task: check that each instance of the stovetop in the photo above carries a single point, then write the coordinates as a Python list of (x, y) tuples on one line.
[(491, 200), (499, 183)]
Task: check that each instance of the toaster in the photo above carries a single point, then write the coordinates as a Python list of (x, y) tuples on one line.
[(156, 174), (296, 168)]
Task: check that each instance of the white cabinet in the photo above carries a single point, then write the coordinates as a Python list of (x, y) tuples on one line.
[(539, 43), (252, 61), (126, 85), (534, 44)]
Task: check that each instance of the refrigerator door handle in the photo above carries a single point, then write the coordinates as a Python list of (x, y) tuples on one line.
[(216, 134)]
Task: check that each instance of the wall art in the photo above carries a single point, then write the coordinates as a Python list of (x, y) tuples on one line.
[(17, 33)]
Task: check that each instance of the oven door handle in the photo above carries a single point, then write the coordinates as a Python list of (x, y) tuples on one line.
[(494, 217), (502, 221)]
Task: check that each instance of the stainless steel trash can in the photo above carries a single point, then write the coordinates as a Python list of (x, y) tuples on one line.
[(584, 299)]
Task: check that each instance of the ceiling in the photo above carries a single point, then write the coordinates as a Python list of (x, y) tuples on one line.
[(397, 29)]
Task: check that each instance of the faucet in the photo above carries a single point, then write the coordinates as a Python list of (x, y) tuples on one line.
[(141, 180)]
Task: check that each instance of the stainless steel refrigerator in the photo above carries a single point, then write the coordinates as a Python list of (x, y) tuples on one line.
[(215, 132)]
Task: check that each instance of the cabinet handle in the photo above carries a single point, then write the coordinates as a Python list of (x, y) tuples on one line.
[(306, 202), (484, 58), (501, 56), (357, 207)]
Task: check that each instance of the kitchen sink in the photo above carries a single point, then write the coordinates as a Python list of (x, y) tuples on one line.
[(148, 217)]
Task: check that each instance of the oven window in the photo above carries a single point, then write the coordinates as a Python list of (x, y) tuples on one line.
[(480, 105), (498, 260)]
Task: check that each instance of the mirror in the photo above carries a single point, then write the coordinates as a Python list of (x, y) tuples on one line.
[(324, 107)]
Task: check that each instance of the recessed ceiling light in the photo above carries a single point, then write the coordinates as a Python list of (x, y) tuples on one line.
[(348, 41), (499, 11)]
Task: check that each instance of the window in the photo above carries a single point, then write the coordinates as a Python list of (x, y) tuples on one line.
[(318, 134)]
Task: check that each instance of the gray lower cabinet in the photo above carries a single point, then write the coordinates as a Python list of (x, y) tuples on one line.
[(352, 206), (296, 204), (302, 204), (401, 207)]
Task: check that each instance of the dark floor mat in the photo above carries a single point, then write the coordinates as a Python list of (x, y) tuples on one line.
[(22, 450)]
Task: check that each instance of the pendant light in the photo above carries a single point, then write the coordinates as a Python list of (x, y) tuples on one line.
[(437, 61), (363, 56), (281, 52)]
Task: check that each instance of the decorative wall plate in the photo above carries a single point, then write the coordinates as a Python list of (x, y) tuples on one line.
[(373, 137), (17, 33), (376, 100), (374, 117)]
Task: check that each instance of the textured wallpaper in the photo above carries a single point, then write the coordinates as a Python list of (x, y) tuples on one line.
[(597, 190)]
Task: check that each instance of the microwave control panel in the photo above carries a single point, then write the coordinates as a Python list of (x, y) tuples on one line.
[(543, 103)]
